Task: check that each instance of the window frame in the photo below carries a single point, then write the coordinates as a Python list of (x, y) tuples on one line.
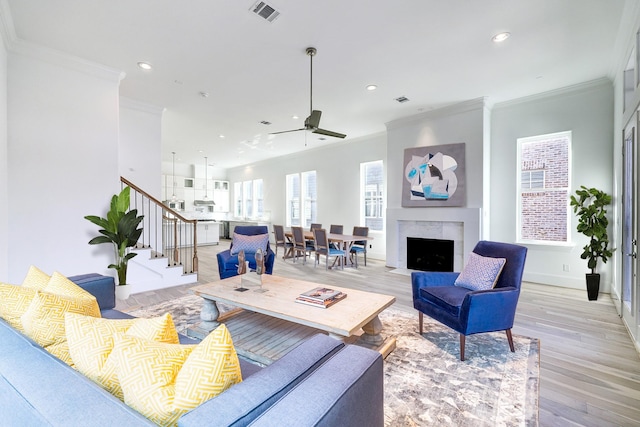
[(377, 198), (520, 191), (300, 200)]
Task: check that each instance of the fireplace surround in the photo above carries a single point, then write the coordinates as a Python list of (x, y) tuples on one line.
[(462, 225)]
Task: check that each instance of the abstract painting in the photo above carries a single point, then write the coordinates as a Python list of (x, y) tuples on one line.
[(434, 176)]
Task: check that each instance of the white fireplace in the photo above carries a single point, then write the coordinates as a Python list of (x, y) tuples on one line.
[(462, 225)]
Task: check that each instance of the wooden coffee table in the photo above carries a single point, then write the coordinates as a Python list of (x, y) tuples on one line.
[(267, 324)]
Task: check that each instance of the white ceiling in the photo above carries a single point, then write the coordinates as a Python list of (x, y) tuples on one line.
[(433, 52)]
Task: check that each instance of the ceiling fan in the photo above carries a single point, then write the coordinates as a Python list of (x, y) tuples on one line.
[(313, 121)]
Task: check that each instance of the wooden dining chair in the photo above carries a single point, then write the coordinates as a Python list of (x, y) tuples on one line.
[(360, 246), (336, 229), (322, 247), (300, 244), (281, 240)]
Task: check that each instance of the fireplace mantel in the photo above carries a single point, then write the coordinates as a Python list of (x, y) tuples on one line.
[(469, 218)]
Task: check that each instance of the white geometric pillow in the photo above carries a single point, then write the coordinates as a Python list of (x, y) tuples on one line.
[(480, 273)]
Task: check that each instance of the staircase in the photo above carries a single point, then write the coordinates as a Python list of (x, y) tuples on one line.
[(167, 252)]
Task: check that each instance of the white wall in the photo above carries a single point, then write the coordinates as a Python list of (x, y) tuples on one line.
[(4, 164), (463, 122), (338, 175), (140, 146), (63, 161), (587, 111)]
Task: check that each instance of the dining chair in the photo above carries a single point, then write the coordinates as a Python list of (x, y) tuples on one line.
[(281, 240), (323, 248), (300, 244), (314, 226), (360, 246), (336, 229)]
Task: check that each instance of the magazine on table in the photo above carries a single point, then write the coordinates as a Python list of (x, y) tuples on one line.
[(322, 304), (320, 294)]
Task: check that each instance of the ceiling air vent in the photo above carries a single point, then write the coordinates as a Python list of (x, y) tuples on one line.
[(265, 11), (402, 99)]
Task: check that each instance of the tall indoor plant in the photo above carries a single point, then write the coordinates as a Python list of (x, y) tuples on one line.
[(589, 204), (120, 228)]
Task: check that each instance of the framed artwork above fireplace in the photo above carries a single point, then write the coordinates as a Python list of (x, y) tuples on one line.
[(434, 176)]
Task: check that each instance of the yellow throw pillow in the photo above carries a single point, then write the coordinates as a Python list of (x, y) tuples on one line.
[(44, 319), (36, 279), (60, 285), (14, 301), (61, 351), (91, 342), (164, 381)]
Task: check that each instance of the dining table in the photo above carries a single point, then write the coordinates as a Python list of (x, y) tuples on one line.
[(344, 241)]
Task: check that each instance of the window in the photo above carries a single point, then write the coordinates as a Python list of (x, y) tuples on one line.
[(258, 198), (237, 199), (301, 199), (543, 188), (248, 199), (372, 197)]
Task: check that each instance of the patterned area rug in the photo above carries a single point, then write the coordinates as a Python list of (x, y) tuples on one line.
[(425, 382)]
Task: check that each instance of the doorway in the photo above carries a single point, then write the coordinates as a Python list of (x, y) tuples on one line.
[(629, 291)]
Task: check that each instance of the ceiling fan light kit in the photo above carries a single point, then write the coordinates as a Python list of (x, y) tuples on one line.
[(312, 122)]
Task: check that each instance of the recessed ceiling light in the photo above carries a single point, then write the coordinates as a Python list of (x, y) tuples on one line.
[(500, 37), (145, 66), (294, 117), (221, 136), (372, 87), (204, 94)]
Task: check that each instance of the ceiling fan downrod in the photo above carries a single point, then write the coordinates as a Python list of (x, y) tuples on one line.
[(311, 52)]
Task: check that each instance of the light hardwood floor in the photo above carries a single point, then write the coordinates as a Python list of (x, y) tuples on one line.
[(589, 368)]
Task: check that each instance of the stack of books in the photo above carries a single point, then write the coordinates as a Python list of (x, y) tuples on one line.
[(321, 297)]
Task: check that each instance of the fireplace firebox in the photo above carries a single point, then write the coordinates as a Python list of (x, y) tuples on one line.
[(429, 254)]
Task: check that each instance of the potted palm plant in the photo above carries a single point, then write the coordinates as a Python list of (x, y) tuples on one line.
[(120, 228), (589, 204)]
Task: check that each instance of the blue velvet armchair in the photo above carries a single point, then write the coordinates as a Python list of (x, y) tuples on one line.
[(472, 311), (228, 263)]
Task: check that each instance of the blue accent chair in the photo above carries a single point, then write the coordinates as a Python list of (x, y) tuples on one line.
[(228, 264), (467, 311)]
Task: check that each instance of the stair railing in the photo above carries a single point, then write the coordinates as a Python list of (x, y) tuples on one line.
[(166, 232)]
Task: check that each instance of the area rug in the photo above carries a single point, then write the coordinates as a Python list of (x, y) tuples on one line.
[(425, 383)]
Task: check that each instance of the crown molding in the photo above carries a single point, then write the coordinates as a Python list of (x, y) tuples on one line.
[(17, 46), (580, 87), (458, 108), (132, 104)]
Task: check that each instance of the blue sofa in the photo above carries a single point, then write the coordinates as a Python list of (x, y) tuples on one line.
[(321, 382), (228, 263)]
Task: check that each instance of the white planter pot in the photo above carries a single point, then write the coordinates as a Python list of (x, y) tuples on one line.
[(123, 292)]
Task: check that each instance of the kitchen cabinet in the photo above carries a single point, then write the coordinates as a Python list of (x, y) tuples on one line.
[(208, 233), (221, 196)]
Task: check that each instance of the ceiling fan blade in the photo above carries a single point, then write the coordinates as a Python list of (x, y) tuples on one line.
[(287, 131), (313, 121), (329, 133)]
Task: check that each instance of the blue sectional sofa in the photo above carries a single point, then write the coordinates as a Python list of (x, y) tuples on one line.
[(322, 382)]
